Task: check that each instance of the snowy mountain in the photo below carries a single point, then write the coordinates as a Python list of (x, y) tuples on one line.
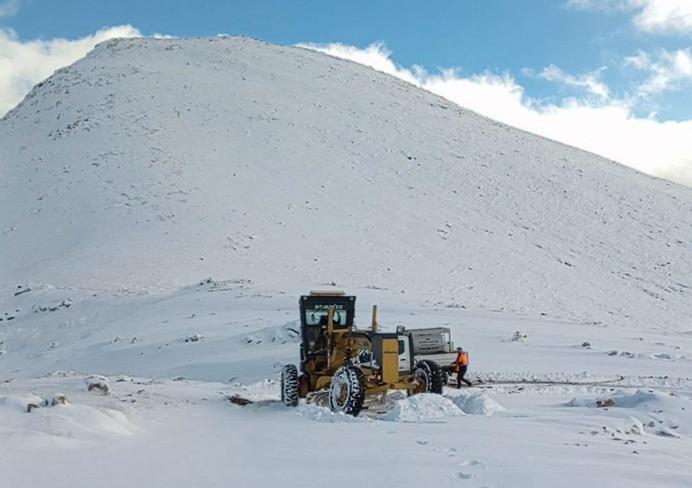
[(153, 163), (131, 176)]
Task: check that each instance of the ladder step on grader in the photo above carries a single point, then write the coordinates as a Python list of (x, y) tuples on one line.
[(349, 363)]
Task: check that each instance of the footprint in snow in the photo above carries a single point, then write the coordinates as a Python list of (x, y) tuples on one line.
[(473, 462), (460, 475)]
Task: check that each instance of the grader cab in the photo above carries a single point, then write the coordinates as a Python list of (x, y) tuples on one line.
[(351, 363)]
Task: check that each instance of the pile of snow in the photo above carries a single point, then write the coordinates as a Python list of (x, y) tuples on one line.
[(421, 408), (23, 414), (479, 403)]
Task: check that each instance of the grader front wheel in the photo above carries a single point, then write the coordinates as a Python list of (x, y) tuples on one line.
[(347, 390)]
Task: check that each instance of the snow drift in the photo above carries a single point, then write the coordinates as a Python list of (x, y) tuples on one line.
[(68, 421), (154, 162), (637, 399), (421, 408), (666, 415), (478, 403)]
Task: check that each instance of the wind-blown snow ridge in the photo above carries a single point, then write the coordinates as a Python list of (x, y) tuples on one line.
[(154, 162)]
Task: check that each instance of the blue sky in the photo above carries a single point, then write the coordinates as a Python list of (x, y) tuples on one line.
[(471, 35), (597, 54)]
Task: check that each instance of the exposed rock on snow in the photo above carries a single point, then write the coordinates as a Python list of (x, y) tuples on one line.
[(52, 307), (625, 354), (421, 408), (519, 336), (194, 338), (21, 289), (58, 399), (97, 382)]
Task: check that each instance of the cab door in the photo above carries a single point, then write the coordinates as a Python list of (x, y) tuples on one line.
[(404, 353)]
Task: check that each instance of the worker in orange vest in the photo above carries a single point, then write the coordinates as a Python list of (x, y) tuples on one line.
[(461, 364)]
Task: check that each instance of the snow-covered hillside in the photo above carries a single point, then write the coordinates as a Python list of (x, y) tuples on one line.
[(129, 178), (153, 163)]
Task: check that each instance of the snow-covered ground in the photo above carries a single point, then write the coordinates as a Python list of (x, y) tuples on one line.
[(172, 361), (129, 177)]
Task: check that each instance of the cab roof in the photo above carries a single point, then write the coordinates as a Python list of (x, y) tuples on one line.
[(328, 293)]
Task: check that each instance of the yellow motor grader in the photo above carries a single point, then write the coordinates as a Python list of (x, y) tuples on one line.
[(351, 363)]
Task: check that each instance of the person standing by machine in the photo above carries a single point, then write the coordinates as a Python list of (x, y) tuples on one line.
[(461, 365)]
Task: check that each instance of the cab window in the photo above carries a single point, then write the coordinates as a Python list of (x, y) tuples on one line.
[(319, 315)]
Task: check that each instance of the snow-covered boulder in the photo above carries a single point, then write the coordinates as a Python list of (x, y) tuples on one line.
[(99, 383), (519, 336)]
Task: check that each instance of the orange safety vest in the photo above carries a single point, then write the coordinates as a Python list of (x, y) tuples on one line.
[(462, 359)]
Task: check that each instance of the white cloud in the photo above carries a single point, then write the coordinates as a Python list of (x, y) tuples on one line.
[(665, 15), (603, 125), (590, 82), (8, 8), (25, 63), (667, 70), (653, 16)]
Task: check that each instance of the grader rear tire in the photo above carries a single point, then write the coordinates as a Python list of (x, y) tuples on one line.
[(289, 386), (347, 390), (429, 374)]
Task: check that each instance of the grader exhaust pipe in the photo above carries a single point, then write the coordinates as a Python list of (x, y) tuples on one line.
[(330, 333)]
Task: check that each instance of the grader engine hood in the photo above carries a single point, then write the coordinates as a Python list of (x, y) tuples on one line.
[(385, 348)]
